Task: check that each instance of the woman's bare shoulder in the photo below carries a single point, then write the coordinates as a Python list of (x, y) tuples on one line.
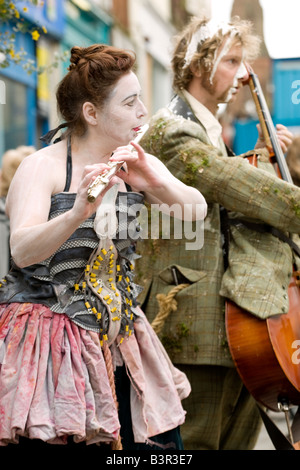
[(45, 166), (47, 154)]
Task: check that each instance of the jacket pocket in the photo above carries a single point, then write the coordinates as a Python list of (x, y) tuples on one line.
[(176, 287), (175, 274)]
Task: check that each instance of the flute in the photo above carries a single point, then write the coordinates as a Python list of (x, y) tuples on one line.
[(100, 183)]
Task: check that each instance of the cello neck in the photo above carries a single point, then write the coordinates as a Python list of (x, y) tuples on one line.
[(268, 128)]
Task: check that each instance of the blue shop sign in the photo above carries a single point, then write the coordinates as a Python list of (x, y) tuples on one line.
[(49, 13), (23, 41), (286, 101)]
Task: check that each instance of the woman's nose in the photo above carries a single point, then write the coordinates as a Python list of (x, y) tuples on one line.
[(142, 110)]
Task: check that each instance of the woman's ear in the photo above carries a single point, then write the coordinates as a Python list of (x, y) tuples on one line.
[(89, 113)]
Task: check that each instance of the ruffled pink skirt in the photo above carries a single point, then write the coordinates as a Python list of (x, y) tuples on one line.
[(54, 381), (53, 377)]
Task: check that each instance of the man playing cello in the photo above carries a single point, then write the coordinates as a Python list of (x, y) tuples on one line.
[(209, 69)]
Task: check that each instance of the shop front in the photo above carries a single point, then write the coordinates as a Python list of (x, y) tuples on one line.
[(22, 113)]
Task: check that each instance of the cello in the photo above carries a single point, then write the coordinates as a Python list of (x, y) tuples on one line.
[(266, 353)]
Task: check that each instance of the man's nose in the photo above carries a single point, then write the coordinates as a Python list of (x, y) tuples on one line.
[(242, 73)]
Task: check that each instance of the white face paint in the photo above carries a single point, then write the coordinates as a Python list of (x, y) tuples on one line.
[(208, 30), (123, 113), (228, 78), (226, 48), (242, 71)]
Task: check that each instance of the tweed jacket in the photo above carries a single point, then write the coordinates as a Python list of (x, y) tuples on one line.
[(259, 264)]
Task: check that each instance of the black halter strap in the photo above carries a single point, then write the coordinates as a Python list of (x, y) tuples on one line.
[(50, 134), (47, 139), (69, 166)]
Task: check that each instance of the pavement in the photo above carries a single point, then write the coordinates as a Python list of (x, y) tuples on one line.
[(264, 442)]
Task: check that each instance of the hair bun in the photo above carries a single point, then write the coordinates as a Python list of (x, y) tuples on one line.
[(76, 55)]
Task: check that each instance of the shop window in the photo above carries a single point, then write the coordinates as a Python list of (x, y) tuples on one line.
[(161, 85), (13, 116)]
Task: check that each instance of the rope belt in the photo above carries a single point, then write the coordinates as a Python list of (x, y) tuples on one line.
[(167, 304)]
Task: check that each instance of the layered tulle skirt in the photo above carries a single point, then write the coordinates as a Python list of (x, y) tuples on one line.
[(56, 381)]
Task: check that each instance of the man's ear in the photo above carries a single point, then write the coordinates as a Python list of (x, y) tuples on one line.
[(196, 70), (90, 113)]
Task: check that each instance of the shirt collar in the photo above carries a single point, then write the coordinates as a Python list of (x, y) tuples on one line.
[(207, 119)]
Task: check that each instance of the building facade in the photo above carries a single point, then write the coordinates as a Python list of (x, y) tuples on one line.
[(27, 100), (23, 110)]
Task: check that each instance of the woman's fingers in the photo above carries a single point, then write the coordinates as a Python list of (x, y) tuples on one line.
[(91, 172), (128, 155)]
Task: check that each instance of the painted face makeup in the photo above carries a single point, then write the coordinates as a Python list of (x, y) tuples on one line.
[(206, 31), (224, 51), (123, 115), (230, 34), (242, 71)]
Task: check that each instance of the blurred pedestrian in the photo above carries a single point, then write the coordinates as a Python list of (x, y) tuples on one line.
[(10, 162)]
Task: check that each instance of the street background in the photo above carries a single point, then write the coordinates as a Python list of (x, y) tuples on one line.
[(27, 98), (264, 442)]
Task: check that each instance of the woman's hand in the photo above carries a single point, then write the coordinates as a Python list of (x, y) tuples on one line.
[(29, 222), (284, 136), (141, 174), (82, 207), (148, 174)]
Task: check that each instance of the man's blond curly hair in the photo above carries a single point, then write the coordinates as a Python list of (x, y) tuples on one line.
[(204, 57)]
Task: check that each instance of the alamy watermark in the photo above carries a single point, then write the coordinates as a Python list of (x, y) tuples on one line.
[(2, 92), (296, 93), (296, 354), (160, 221)]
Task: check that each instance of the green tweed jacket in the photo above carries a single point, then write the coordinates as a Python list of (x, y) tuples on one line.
[(259, 264)]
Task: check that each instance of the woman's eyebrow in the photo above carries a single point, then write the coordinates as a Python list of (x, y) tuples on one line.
[(134, 95)]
